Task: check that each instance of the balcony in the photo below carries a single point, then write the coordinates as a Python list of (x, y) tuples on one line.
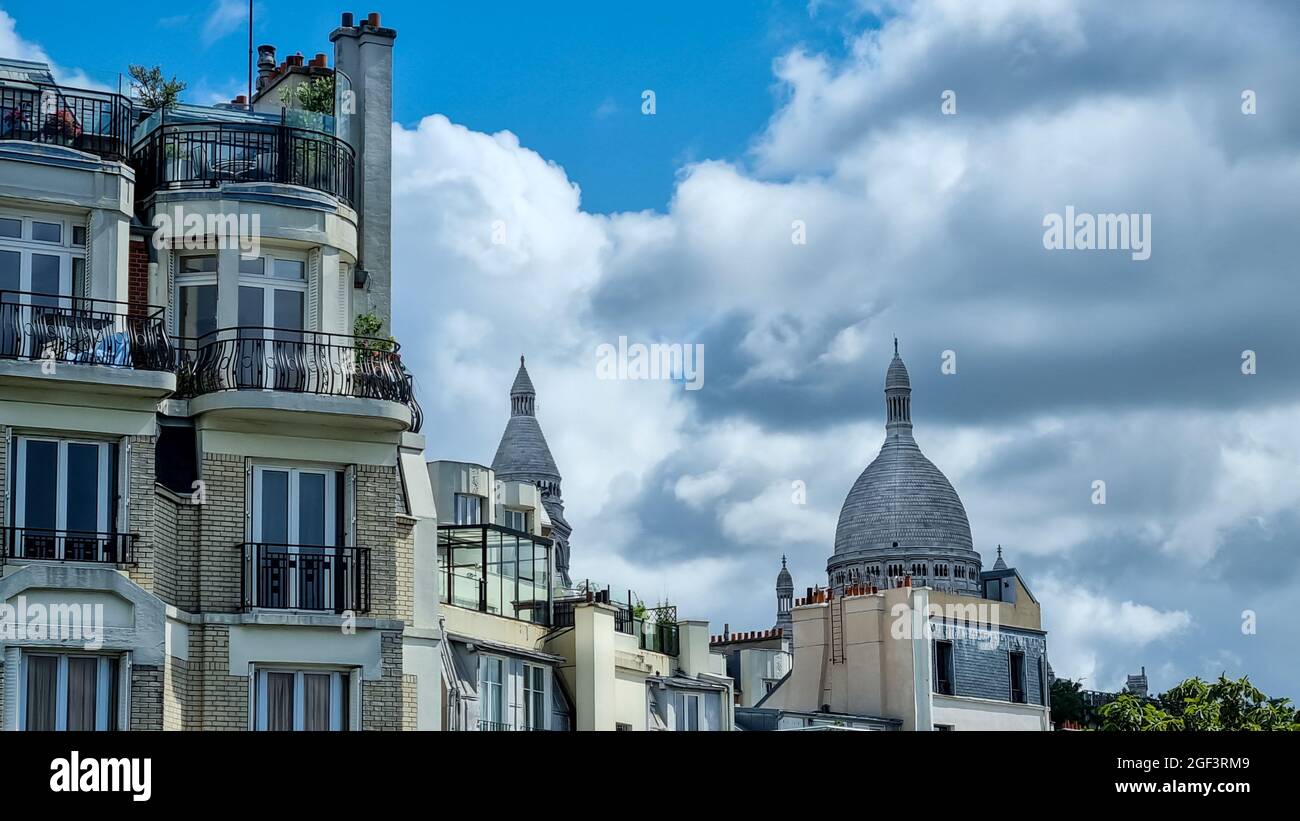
[(208, 154), (305, 577), (82, 331), (21, 544), (299, 362), (493, 569), (95, 122)]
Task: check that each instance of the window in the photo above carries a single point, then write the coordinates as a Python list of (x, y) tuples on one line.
[(68, 692), (492, 680), (918, 568), (296, 512), (943, 668), (196, 295), (517, 520), (534, 697), (469, 509), (1017, 664), (62, 490), (620, 727), (686, 711), (37, 268), (302, 700)]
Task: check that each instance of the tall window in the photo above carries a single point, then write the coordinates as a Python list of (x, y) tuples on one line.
[(296, 513), (492, 677), (196, 296), (64, 691), (301, 700), (686, 711), (534, 697), (469, 509), (1017, 666), (62, 495), (42, 263), (943, 668)]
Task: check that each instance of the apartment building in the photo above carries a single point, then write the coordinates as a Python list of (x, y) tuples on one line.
[(216, 513), (523, 652)]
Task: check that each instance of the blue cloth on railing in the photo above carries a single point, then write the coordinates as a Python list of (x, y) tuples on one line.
[(113, 349)]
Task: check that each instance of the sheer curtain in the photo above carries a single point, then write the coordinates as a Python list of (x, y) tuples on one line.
[(42, 702), (316, 701), (82, 675), (279, 701)]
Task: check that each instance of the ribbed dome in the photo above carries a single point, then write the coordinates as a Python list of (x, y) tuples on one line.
[(523, 454), (901, 501), (902, 510)]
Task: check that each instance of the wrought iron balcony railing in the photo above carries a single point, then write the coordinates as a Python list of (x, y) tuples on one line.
[(305, 577), (208, 154), (275, 359), (83, 331), (92, 121), (46, 544)]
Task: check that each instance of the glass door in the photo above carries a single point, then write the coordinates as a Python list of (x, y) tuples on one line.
[(61, 501), (295, 526), (272, 316), (33, 286)]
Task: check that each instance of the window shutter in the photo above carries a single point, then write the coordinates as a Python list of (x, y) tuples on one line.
[(350, 506), (344, 320), (172, 296), (313, 290)]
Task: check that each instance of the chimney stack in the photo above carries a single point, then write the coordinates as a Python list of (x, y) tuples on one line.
[(363, 65)]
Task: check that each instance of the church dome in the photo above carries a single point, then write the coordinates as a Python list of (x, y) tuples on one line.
[(902, 511), (783, 579)]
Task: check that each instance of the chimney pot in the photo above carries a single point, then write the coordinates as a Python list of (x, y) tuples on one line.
[(373, 19), (347, 20)]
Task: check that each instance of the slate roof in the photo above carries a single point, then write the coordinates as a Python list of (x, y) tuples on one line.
[(523, 454)]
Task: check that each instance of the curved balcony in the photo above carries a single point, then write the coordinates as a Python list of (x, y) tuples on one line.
[(92, 121), (271, 360), (188, 155)]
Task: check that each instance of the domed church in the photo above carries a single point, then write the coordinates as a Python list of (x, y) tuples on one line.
[(902, 517)]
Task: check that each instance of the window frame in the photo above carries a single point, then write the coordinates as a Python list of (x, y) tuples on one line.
[(952, 667), (1011, 677), (109, 686), (104, 513), (342, 717)]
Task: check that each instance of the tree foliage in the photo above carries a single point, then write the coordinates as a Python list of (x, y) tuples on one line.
[(153, 89), (1196, 705)]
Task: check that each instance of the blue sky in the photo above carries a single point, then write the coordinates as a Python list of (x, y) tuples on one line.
[(568, 84), (1073, 367)]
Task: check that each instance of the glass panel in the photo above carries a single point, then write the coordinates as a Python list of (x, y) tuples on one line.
[(252, 313), (316, 701), (275, 506), (288, 269), (257, 265), (111, 703), (199, 265), (198, 310), (45, 277), (10, 271), (41, 486), (79, 236), (288, 310), (311, 508), (47, 232), (11, 228), (83, 490), (79, 278), (279, 701), (83, 675), (42, 700)]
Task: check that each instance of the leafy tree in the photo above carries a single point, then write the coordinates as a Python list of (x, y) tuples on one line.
[(152, 89), (1067, 704), (1195, 705), (315, 95)]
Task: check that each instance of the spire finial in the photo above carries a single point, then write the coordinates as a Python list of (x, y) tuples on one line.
[(999, 551), (782, 561), (521, 356), (895, 346)]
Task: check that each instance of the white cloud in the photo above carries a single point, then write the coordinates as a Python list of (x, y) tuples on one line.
[(224, 17), (13, 45)]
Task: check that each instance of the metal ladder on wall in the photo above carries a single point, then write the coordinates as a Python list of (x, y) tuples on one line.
[(836, 606)]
